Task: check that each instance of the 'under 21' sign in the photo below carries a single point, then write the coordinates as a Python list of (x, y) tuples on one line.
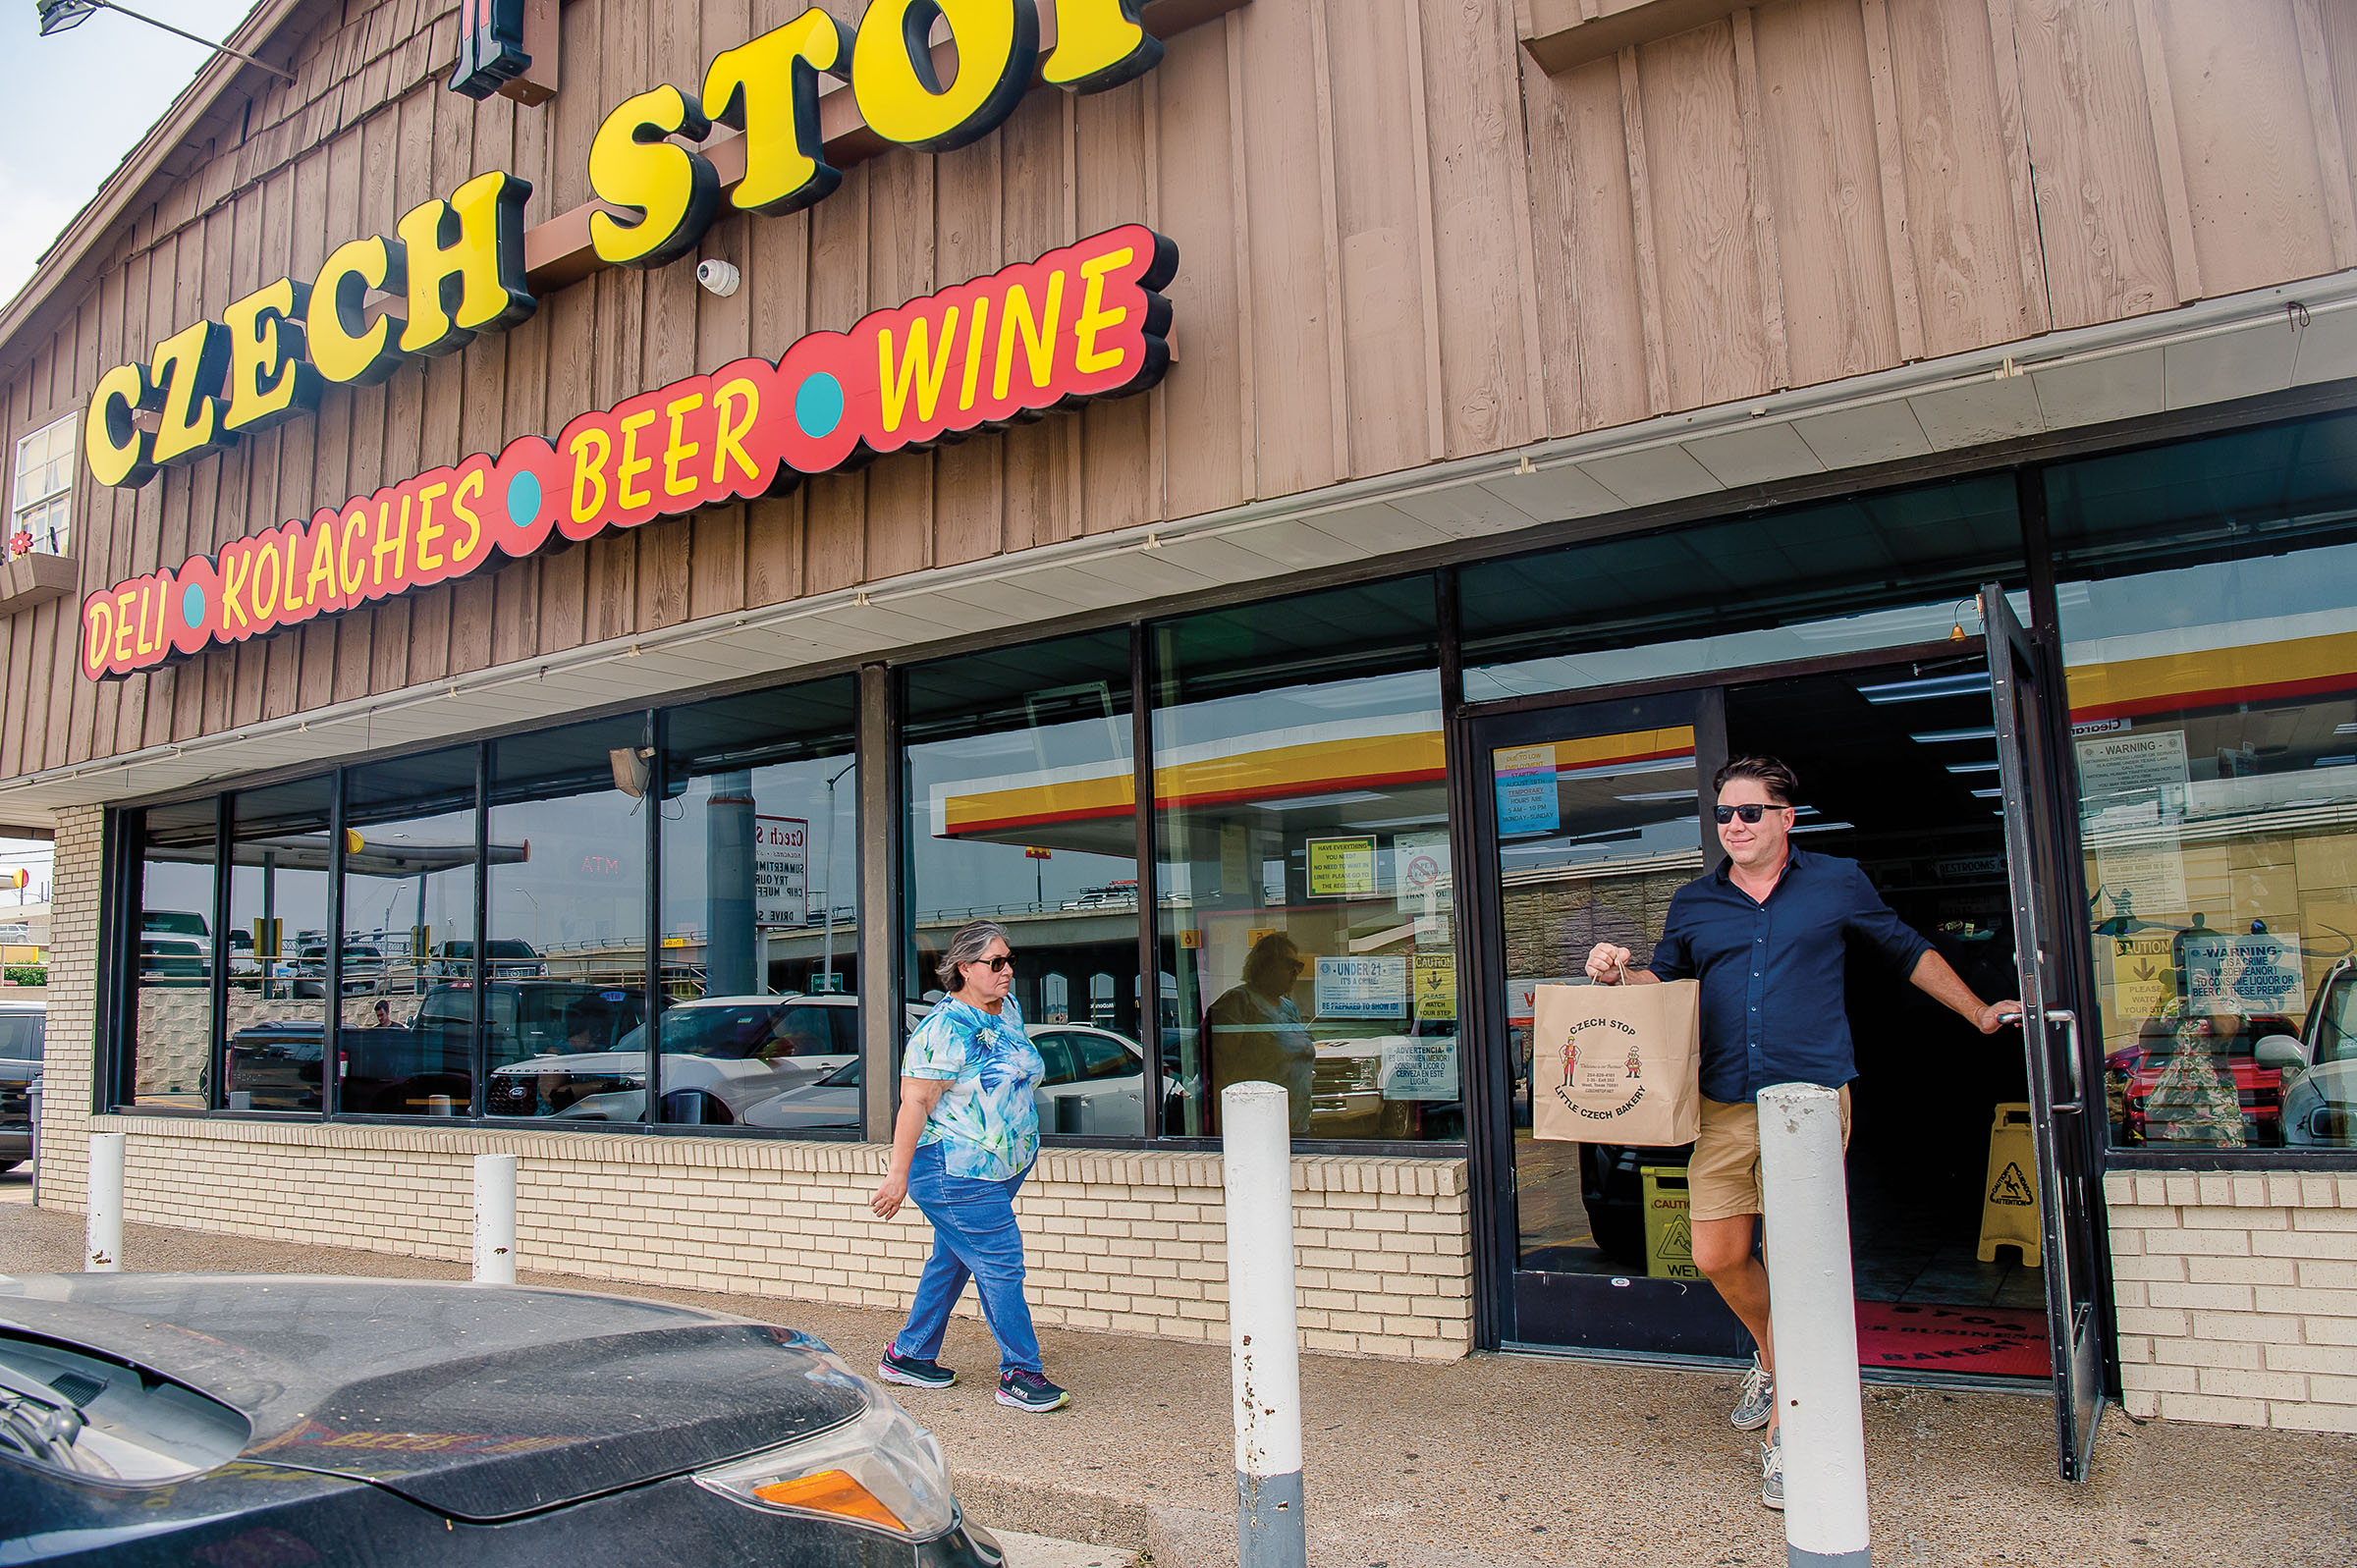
[(1082, 322)]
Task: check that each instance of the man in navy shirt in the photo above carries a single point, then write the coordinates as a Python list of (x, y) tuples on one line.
[(1768, 934)]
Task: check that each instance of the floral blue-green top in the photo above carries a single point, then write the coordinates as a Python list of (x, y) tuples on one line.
[(985, 1120)]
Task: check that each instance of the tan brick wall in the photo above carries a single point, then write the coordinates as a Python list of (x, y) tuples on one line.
[(66, 1053), (2237, 1297), (1122, 1242)]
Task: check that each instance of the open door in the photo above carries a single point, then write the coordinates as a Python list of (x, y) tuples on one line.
[(2029, 768)]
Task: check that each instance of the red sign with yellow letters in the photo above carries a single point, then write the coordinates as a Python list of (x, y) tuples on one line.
[(1082, 322)]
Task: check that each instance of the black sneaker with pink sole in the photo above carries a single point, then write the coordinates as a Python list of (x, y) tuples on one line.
[(1028, 1390)]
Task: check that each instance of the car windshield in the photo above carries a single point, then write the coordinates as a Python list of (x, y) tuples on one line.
[(766, 1030), (174, 922), (20, 1036), (2336, 1030), (98, 1419)]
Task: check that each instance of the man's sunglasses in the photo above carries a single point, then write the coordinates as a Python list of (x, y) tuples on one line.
[(1750, 812), (999, 965)]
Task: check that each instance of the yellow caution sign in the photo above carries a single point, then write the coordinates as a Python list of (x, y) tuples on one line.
[(1668, 1226), (2009, 1201)]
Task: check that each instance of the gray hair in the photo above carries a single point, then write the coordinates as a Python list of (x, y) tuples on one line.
[(967, 945)]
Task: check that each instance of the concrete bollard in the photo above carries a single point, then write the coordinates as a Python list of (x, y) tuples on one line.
[(1263, 1340), (104, 1252), (494, 1219), (1814, 1312)]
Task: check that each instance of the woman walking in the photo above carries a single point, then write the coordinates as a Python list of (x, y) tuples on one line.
[(963, 1142)]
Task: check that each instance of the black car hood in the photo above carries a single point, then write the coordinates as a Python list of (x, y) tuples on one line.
[(481, 1402)]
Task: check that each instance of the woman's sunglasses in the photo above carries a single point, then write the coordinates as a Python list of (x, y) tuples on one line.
[(1749, 812), (999, 965)]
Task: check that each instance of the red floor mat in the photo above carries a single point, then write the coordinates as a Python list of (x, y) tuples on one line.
[(1988, 1341)]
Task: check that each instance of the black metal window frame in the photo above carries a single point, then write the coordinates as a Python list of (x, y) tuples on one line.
[(121, 902)]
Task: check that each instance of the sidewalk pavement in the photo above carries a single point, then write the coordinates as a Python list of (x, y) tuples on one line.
[(1496, 1460)]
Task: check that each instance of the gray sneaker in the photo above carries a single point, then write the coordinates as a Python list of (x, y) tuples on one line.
[(1757, 1402), (1772, 1471)]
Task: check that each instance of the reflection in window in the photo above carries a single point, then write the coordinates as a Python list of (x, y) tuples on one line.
[(2209, 615), (171, 1054), (1022, 809), (408, 982), (278, 945), (760, 897), (1302, 830), (1873, 571), (564, 960)]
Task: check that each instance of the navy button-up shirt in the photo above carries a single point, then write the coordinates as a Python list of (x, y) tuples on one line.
[(1770, 973)]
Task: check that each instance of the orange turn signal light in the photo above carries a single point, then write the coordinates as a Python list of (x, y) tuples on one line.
[(830, 1491)]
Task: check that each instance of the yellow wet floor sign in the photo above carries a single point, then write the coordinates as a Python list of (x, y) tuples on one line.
[(2009, 1202), (1668, 1227)]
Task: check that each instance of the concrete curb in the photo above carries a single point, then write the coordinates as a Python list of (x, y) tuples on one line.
[(1173, 1537)]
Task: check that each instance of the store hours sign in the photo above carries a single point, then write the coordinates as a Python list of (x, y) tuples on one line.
[(781, 872)]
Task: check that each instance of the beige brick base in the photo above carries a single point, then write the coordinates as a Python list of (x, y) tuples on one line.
[(1122, 1242), (2237, 1297)]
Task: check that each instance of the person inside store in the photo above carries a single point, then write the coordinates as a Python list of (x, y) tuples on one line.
[(1768, 934), (1255, 1032), (965, 1138)]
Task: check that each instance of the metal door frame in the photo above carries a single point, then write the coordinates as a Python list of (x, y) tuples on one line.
[(2030, 761)]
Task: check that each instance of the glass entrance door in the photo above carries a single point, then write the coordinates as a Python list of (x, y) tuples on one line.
[(1590, 819), (2031, 777)]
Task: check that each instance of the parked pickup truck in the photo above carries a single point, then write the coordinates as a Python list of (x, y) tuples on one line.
[(423, 1067)]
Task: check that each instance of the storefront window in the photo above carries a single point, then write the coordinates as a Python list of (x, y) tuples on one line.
[(760, 912), (278, 945), (409, 968), (1022, 809), (1301, 832), (562, 967), (1875, 571), (170, 1054), (2208, 597)]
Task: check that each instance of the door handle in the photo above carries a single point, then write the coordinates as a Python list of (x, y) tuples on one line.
[(2077, 1102)]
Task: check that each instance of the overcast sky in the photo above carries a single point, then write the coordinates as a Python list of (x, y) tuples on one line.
[(78, 102)]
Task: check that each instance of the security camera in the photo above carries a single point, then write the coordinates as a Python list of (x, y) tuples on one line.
[(718, 277)]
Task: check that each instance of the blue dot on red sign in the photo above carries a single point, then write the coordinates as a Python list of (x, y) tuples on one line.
[(191, 606), (524, 499), (819, 405)]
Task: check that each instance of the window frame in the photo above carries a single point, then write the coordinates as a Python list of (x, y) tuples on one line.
[(20, 504)]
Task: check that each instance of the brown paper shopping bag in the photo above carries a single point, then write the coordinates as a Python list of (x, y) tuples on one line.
[(1618, 1065)]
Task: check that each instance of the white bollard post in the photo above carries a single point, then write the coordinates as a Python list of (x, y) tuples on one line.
[(1813, 1308), (104, 1252), (1263, 1341), (494, 1219)]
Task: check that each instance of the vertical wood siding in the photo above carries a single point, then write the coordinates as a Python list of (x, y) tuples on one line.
[(1401, 241)]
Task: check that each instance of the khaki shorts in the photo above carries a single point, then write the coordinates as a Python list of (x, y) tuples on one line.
[(1722, 1178)]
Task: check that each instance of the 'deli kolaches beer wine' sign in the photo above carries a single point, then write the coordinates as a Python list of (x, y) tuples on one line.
[(1085, 321)]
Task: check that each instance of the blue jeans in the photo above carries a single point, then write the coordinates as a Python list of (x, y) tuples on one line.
[(974, 1235)]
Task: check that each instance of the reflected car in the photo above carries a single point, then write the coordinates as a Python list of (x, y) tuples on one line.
[(504, 957), (176, 947), (1095, 1085), (158, 1419), (275, 1065), (423, 1067), (2133, 1072), (2319, 1067), (23, 1028), (717, 1054), (363, 970)]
